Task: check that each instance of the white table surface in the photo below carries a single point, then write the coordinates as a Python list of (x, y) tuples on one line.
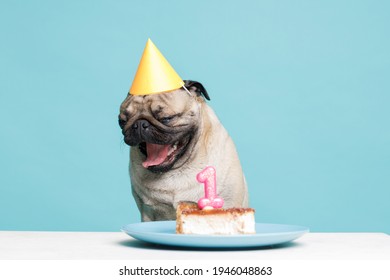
[(18, 245)]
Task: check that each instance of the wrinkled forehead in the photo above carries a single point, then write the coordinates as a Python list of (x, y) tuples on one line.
[(176, 101)]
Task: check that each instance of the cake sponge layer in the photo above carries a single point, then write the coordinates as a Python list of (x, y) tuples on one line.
[(191, 220)]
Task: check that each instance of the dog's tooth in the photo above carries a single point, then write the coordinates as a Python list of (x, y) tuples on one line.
[(172, 149)]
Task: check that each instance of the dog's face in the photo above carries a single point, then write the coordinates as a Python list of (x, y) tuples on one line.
[(163, 126)]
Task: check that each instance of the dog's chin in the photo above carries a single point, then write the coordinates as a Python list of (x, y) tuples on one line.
[(166, 160)]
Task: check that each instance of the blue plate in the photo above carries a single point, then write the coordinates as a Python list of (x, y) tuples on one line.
[(165, 233)]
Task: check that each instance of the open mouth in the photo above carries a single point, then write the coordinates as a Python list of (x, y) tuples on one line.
[(162, 157)]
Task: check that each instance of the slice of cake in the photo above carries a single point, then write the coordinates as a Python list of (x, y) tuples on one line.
[(191, 220)]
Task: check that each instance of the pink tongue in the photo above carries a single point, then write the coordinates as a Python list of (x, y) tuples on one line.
[(156, 154)]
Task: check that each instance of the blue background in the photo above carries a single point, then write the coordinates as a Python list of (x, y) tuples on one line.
[(301, 86)]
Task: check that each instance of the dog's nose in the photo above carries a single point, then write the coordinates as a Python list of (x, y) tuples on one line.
[(142, 124)]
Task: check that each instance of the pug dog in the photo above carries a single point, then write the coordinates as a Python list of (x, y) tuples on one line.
[(172, 137)]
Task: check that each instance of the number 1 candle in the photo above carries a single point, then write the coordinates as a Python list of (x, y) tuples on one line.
[(208, 177)]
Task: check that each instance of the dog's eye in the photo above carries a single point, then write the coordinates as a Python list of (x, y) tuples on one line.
[(166, 120), (122, 123)]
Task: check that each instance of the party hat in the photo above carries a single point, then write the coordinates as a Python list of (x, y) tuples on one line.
[(154, 73)]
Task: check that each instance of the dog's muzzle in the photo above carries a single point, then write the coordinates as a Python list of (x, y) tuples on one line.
[(138, 132)]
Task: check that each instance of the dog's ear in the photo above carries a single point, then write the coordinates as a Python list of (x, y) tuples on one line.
[(198, 88)]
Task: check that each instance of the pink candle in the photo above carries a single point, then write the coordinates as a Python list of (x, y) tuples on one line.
[(208, 178)]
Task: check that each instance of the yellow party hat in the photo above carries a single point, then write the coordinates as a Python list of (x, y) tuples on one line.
[(154, 73)]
